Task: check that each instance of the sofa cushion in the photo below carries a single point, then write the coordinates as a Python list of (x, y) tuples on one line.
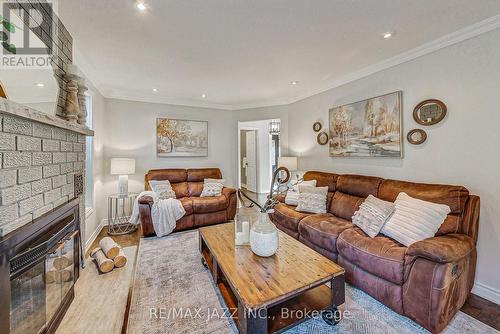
[(323, 230), (322, 179), (380, 256), (359, 185), (209, 204), (200, 174), (345, 205), (180, 189), (286, 216), (187, 204), (453, 196), (173, 175)]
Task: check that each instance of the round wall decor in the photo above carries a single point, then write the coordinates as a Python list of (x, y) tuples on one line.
[(416, 136), (429, 112), (322, 138), (317, 126)]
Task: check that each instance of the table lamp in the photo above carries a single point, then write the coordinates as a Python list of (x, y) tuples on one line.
[(122, 167), (289, 163)]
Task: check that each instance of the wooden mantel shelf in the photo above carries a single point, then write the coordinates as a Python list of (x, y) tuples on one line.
[(8, 107)]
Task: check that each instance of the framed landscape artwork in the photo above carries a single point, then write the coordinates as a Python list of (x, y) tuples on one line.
[(181, 138), (368, 128)]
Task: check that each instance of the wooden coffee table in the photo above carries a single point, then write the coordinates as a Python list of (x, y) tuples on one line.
[(269, 295)]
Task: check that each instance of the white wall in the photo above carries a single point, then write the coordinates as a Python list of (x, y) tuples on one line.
[(131, 133), (93, 223), (463, 149)]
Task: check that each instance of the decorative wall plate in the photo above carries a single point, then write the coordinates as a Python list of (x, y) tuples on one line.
[(429, 112), (317, 126), (322, 138), (416, 136)]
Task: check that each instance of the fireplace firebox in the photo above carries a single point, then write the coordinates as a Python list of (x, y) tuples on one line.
[(39, 265)]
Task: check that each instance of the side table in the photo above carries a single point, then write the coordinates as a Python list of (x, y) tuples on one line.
[(119, 211)]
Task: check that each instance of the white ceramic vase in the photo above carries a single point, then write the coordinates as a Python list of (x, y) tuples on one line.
[(264, 238)]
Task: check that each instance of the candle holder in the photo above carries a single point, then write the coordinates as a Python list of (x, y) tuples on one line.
[(242, 230)]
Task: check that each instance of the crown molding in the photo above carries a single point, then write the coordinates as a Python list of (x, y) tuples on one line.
[(458, 36), (132, 96)]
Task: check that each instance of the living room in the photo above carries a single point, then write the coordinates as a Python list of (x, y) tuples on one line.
[(368, 203)]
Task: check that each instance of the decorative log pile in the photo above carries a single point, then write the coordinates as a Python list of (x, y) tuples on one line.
[(108, 255)]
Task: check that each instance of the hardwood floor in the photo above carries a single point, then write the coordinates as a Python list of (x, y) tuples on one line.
[(477, 307), (483, 310)]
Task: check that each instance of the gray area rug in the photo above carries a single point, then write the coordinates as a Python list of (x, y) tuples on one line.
[(170, 280)]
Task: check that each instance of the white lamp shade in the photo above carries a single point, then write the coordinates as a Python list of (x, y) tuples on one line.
[(289, 163), (121, 166)]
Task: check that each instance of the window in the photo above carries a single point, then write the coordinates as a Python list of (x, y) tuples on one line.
[(89, 161)]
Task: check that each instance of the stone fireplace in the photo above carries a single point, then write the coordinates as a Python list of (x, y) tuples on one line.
[(42, 193)]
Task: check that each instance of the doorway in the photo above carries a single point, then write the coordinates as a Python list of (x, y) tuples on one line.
[(258, 153)]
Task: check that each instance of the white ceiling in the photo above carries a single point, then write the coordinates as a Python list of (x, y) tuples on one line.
[(244, 53)]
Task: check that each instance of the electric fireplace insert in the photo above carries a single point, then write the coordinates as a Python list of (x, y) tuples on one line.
[(39, 265)]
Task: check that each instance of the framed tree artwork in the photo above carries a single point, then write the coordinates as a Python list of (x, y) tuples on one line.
[(368, 128), (181, 138)]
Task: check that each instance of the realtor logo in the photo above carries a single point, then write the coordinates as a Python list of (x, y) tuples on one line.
[(26, 34)]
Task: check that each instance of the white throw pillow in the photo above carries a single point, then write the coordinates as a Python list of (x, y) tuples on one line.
[(162, 188), (372, 214), (414, 219), (292, 195), (212, 187), (312, 199)]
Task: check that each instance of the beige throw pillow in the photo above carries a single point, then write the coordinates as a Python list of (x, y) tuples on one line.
[(212, 187), (162, 188), (414, 219), (372, 215), (312, 199), (292, 195)]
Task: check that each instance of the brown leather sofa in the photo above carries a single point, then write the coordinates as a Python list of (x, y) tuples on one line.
[(188, 185), (429, 281)]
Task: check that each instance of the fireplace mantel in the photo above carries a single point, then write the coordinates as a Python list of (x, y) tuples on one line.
[(15, 109)]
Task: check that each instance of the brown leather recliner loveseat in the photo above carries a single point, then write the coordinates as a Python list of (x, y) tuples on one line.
[(188, 185), (429, 281)]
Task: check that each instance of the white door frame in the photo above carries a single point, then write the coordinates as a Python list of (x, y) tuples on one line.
[(242, 127)]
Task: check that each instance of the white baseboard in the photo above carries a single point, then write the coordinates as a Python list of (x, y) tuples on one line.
[(487, 292), (94, 235)]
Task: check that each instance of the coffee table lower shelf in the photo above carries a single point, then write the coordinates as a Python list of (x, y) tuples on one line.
[(279, 317)]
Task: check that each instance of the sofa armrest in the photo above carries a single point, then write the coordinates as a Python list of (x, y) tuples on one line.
[(145, 203), (280, 198), (146, 200), (228, 192), (443, 249)]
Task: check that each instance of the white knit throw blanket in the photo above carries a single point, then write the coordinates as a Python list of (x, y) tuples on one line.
[(164, 213)]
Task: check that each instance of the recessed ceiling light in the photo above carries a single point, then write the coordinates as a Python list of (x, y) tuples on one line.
[(40, 84), (294, 82), (155, 90), (387, 35), (141, 6), (203, 96)]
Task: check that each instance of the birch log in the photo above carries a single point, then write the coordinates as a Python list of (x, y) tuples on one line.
[(109, 247), (103, 263), (61, 262), (120, 260)]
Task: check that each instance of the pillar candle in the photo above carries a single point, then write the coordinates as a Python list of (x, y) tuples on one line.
[(246, 230)]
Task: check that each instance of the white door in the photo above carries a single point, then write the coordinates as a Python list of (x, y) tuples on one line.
[(251, 161)]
